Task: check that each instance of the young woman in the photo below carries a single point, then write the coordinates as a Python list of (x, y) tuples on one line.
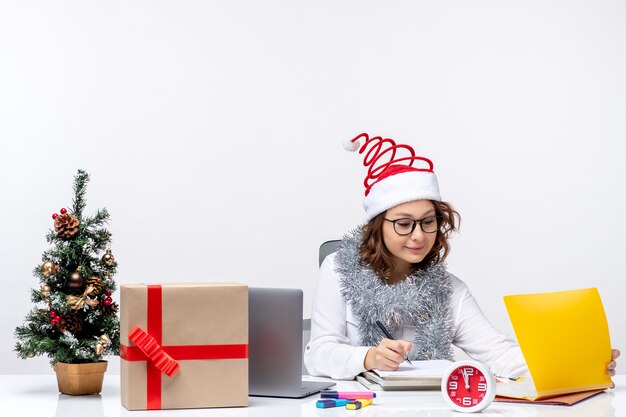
[(392, 270)]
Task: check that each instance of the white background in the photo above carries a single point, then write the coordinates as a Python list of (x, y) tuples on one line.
[(212, 131)]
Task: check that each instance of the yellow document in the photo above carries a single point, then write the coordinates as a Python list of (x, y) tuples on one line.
[(565, 340)]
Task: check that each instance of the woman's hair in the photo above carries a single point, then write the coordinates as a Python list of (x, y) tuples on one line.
[(375, 254)]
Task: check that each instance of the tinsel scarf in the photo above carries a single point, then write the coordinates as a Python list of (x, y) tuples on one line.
[(421, 299)]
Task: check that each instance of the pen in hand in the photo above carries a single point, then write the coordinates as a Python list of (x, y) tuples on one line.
[(390, 337)]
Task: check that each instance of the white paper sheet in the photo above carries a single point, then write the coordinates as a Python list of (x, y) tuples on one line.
[(420, 369)]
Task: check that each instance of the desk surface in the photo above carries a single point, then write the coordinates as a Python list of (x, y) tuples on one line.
[(26, 395)]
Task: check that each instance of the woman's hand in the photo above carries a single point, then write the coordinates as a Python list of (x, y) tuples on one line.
[(388, 355), (610, 368)]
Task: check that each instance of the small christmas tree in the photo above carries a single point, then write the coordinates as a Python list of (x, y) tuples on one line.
[(74, 319)]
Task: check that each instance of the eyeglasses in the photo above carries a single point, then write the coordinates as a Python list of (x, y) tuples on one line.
[(405, 227)]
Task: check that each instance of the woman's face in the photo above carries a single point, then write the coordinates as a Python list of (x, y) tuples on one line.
[(414, 247)]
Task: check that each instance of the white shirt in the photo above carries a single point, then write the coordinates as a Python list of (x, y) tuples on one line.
[(334, 349)]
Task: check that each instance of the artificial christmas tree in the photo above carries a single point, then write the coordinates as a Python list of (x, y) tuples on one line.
[(74, 320)]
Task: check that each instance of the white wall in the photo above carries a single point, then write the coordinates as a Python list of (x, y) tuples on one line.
[(212, 131)]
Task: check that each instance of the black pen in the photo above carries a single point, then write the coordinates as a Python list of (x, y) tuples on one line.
[(390, 337)]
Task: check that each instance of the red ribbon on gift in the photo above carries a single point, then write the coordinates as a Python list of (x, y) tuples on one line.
[(164, 358), (154, 351)]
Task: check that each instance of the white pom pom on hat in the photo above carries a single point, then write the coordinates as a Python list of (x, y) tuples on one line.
[(351, 145), (391, 178)]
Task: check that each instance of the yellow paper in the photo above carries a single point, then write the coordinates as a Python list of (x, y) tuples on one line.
[(565, 340)]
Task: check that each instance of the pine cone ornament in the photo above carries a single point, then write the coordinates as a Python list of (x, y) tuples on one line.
[(96, 283), (108, 309), (66, 225), (71, 324)]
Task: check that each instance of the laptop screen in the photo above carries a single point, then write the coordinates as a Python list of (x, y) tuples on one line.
[(275, 340)]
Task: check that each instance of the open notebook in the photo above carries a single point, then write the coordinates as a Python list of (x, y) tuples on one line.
[(564, 337)]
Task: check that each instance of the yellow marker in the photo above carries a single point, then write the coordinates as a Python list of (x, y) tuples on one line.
[(360, 403)]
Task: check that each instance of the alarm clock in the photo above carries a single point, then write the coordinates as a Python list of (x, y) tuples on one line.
[(468, 386)]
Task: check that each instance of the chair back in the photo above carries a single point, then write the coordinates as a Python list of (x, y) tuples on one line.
[(327, 248)]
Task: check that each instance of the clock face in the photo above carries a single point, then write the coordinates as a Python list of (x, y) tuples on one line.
[(468, 386)]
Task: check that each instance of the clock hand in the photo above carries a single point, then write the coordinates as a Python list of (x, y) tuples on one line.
[(465, 378)]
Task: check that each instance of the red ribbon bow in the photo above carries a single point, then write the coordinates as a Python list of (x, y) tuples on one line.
[(153, 350)]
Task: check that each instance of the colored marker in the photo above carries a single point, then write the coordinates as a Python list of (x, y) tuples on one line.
[(347, 395), (330, 403), (357, 404)]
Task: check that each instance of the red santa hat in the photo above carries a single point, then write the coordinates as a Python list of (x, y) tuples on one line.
[(391, 178)]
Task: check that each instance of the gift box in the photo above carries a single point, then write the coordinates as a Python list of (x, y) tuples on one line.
[(184, 345)]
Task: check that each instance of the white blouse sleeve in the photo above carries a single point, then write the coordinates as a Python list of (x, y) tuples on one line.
[(477, 337), (329, 352)]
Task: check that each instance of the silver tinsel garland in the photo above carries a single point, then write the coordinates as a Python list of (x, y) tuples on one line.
[(422, 300)]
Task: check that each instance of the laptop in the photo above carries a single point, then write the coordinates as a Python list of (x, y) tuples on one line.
[(275, 344)]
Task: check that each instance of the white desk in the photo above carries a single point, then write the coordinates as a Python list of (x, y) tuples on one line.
[(37, 395)]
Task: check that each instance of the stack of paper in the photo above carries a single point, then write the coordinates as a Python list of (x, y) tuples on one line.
[(421, 375)]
